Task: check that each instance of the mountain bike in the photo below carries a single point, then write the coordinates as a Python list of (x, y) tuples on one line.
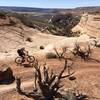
[(30, 59)]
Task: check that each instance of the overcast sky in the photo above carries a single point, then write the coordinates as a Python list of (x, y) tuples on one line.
[(50, 3)]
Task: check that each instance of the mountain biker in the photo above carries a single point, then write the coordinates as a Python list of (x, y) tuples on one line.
[(22, 53)]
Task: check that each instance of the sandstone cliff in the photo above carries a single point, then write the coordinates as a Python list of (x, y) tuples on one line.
[(89, 24)]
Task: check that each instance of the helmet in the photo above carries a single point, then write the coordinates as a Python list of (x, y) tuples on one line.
[(23, 48)]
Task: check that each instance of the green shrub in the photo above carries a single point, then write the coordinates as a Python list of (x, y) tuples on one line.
[(2, 15), (63, 23), (60, 24)]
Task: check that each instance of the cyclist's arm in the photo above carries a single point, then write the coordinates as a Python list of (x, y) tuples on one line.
[(26, 52)]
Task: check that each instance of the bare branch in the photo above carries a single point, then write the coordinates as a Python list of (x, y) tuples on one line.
[(60, 55), (65, 66), (57, 53), (46, 76)]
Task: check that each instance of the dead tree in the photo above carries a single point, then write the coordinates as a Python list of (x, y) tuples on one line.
[(84, 54), (18, 83), (60, 55), (46, 84)]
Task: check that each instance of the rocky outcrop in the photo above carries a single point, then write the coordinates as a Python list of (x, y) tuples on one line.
[(13, 34), (69, 43), (89, 24), (6, 74)]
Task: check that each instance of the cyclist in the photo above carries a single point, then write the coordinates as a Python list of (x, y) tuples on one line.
[(22, 53)]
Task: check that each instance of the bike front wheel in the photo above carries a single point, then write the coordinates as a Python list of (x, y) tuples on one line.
[(31, 59)]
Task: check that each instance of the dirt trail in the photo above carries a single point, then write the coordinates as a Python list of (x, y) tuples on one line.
[(86, 73)]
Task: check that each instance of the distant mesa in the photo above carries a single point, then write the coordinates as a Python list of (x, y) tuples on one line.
[(49, 10)]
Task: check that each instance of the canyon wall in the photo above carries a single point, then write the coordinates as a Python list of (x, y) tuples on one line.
[(89, 24)]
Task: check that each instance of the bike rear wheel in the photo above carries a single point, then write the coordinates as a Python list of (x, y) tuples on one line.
[(18, 60), (31, 59)]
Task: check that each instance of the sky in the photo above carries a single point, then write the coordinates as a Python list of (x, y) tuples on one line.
[(50, 3)]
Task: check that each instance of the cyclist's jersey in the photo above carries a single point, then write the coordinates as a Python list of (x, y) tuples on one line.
[(20, 52)]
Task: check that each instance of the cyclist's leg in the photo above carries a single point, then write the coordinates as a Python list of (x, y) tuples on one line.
[(23, 59)]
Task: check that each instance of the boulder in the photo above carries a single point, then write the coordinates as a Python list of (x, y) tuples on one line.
[(6, 74)]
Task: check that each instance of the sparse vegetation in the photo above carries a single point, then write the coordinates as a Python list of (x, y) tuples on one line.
[(60, 55), (83, 53), (3, 15), (60, 24), (63, 23)]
